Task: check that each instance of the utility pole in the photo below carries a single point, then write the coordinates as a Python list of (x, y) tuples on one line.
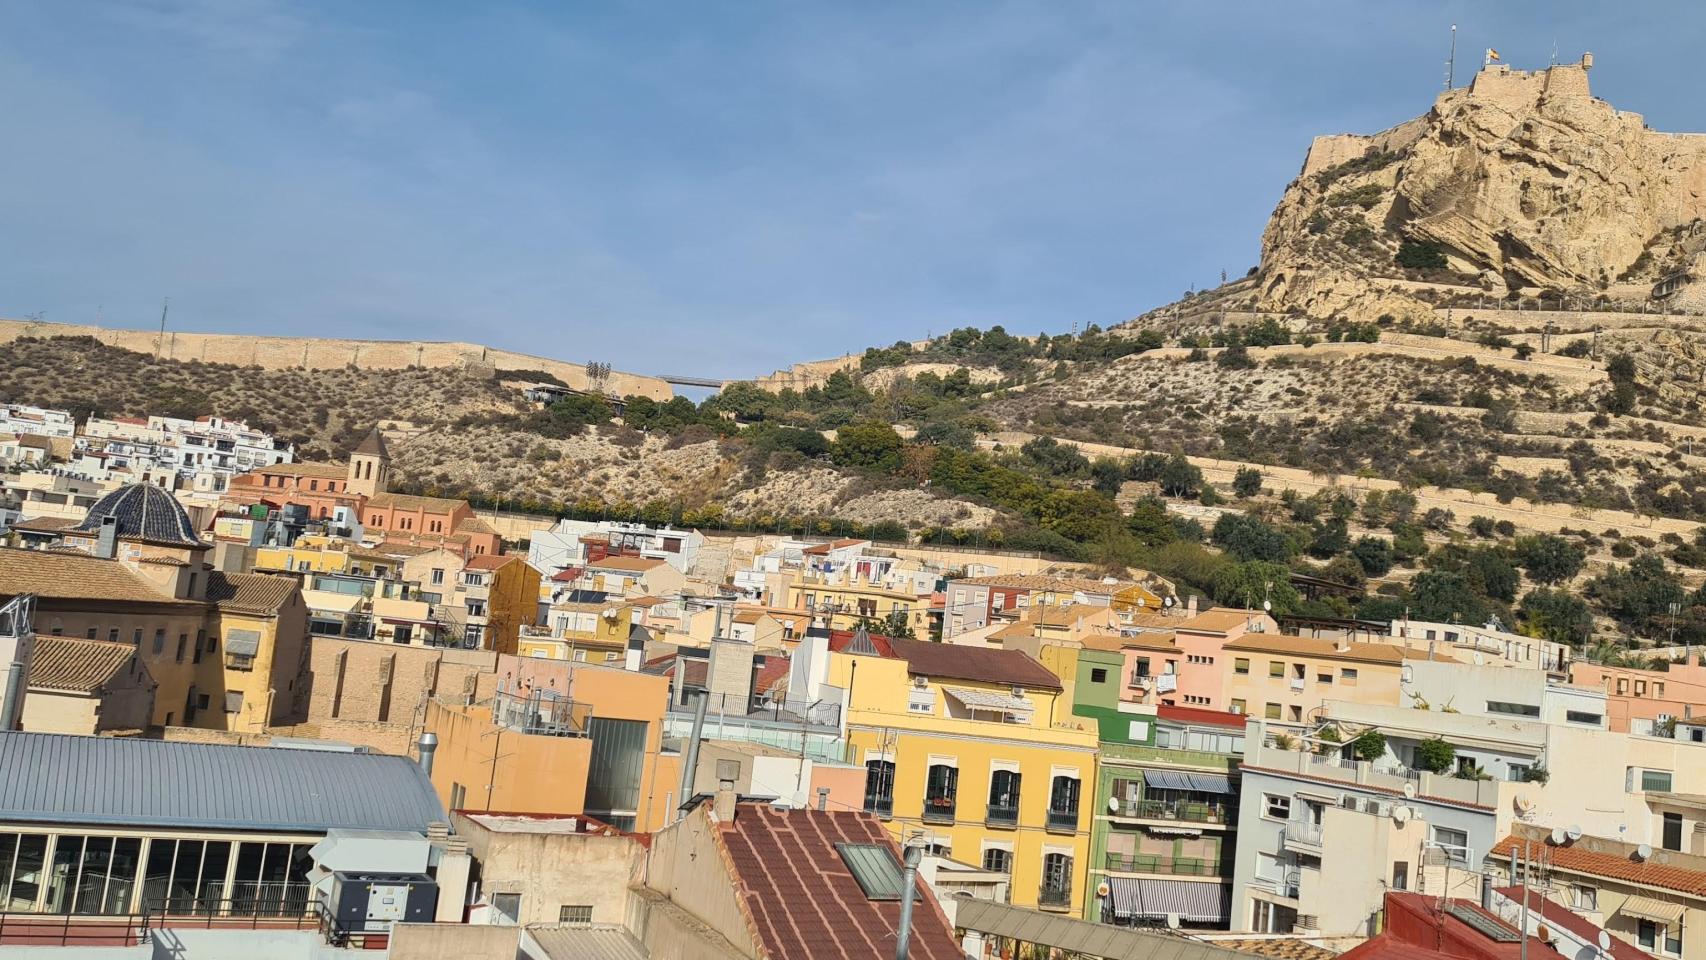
[(1523, 927)]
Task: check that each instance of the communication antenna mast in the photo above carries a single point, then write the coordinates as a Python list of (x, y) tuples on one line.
[(160, 345), (1451, 61)]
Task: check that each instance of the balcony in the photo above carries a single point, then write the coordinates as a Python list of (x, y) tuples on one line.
[(881, 806), (1062, 821), (540, 714), (1054, 898), (1301, 835), (939, 810), (1001, 816), (1188, 811), (1171, 866)]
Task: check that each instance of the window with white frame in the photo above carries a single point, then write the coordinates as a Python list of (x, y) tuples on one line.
[(1276, 807)]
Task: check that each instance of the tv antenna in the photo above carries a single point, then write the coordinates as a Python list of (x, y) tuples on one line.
[(160, 345), (1451, 61)]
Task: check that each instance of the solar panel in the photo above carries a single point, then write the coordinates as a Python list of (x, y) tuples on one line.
[(874, 866), (1486, 926)]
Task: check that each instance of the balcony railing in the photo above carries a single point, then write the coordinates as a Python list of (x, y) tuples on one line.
[(1063, 821), (542, 715), (1054, 898), (1173, 866), (815, 713), (1002, 816), (1304, 832), (1192, 811), (881, 806), (938, 809)]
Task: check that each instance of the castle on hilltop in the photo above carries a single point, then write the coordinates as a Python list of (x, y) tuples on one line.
[(1520, 89)]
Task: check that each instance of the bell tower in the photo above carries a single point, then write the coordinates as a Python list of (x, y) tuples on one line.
[(369, 466)]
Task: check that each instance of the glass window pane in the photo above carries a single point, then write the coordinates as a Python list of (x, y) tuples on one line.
[(121, 880), (27, 872), (213, 864), (158, 874), (181, 893), (61, 878), (92, 878), (277, 863), (245, 883), (8, 853)]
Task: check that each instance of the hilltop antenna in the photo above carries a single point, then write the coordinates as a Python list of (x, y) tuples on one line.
[(160, 345), (1451, 61), (1554, 51)]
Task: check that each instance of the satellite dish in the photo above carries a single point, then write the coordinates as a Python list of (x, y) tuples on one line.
[(1102, 889), (1400, 815), (1172, 921), (1573, 832), (1642, 852), (1410, 789), (1167, 602), (1267, 606), (1113, 804), (1604, 941), (1523, 804), (1558, 836)]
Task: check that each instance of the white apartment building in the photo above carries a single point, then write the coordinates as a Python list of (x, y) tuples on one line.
[(201, 454), (21, 418), (574, 543)]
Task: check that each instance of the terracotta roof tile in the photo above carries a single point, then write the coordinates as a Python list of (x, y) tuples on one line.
[(250, 592), (331, 471), (627, 564), (982, 664), (487, 561), (1328, 650), (1613, 867), (802, 901), (73, 576), (72, 663), (1220, 620), (403, 501)]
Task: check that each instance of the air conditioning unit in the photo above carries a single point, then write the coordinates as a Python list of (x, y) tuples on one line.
[(1019, 692), (920, 683)]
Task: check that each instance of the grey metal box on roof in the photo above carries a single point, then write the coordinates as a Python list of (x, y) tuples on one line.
[(122, 781)]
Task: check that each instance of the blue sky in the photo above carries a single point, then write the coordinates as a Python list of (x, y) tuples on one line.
[(708, 188)]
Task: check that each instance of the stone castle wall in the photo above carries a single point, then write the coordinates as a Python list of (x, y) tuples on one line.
[(279, 353)]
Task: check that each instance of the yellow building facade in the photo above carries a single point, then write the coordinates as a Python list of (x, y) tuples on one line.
[(1285, 679), (843, 605), (582, 632), (963, 752)]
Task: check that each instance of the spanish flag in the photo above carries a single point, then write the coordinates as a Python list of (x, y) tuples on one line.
[(1492, 55)]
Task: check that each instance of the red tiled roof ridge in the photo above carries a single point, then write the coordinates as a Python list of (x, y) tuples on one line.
[(1657, 876), (740, 885)]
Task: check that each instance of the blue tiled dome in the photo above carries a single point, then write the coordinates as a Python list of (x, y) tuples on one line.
[(144, 512)]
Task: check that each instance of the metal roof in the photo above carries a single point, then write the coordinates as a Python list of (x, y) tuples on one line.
[(123, 781), (1069, 933), (562, 942)]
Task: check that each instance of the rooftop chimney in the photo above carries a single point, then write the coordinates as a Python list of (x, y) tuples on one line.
[(428, 745), (1191, 606), (1342, 644), (106, 545), (723, 805)]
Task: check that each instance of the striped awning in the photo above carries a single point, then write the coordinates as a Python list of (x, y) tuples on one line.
[(1167, 780), (1647, 908), (1196, 902), (1179, 780)]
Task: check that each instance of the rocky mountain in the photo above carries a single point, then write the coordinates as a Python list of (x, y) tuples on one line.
[(1521, 183)]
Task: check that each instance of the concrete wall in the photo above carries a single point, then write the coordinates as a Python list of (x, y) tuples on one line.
[(551, 869), (280, 353), (445, 941), (689, 867)]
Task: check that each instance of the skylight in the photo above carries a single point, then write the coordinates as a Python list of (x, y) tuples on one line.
[(875, 867)]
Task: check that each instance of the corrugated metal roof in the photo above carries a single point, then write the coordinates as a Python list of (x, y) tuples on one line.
[(60, 778), (586, 943), (1069, 933)]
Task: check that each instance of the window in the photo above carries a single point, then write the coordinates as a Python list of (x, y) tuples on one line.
[(507, 906), (1098, 675), (233, 701), (1673, 940), (1276, 807), (1003, 798), (136, 638), (940, 787), (879, 787), (1271, 711), (1063, 803), (437, 576), (578, 915), (1324, 677), (202, 702), (1647, 934), (1640, 688), (1236, 706), (474, 579), (159, 639), (183, 642), (1455, 843), (1673, 831), (1347, 676), (112, 635), (875, 869), (1276, 669), (1057, 880), (1514, 709), (1579, 716), (1585, 898), (1241, 665), (998, 860), (1655, 780), (1400, 875)]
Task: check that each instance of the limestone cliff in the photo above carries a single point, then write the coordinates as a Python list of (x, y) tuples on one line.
[(1522, 181)]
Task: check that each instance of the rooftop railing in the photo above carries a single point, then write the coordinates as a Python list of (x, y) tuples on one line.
[(542, 715)]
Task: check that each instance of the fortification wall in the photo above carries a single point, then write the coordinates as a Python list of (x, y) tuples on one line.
[(812, 373), (280, 353)]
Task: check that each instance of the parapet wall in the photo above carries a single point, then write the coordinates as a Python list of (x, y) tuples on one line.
[(280, 353)]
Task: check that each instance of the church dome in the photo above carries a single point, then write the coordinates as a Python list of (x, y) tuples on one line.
[(144, 512)]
